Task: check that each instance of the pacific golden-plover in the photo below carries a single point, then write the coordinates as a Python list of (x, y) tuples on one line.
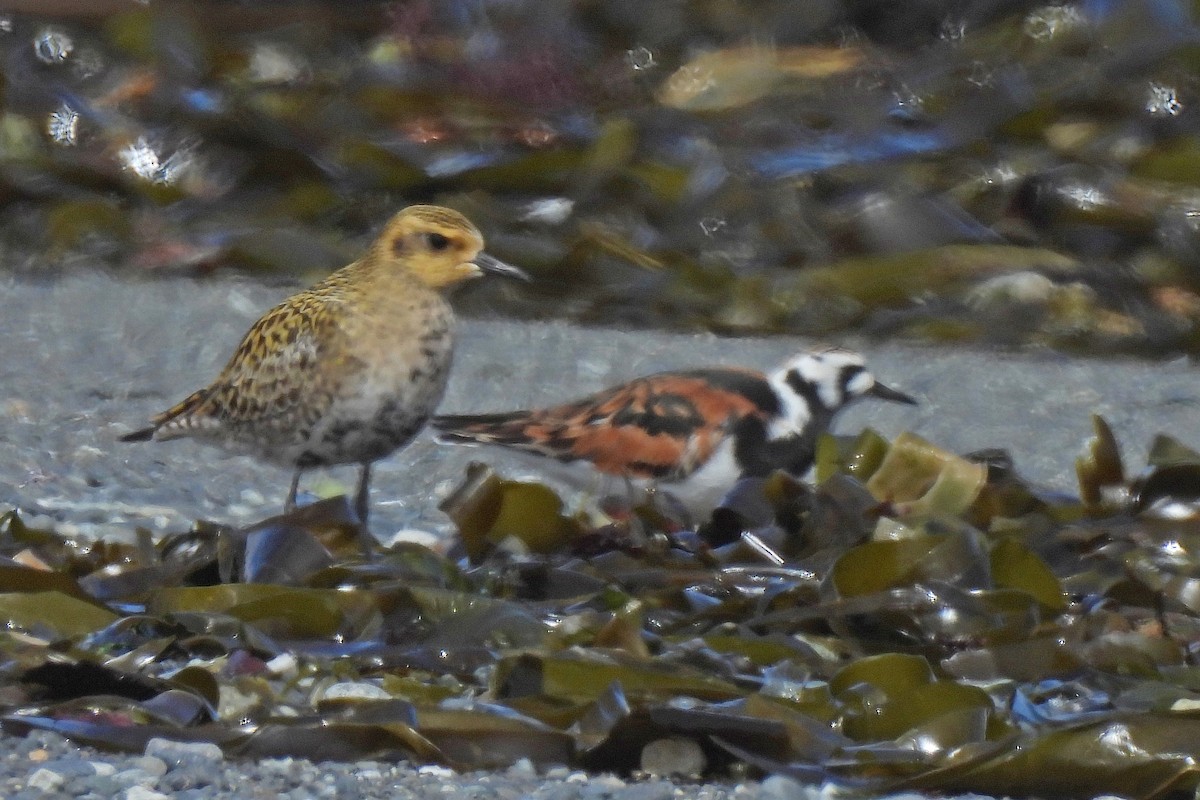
[(348, 371)]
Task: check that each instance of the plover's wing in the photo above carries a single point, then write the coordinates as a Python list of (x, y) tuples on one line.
[(272, 377), (292, 359)]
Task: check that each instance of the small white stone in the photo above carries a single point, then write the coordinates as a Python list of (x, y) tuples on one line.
[(609, 782), (1021, 288), (170, 751), (676, 755), (416, 536), (780, 787), (522, 767), (45, 780), (354, 690), (283, 664), (103, 768), (436, 771), (279, 765), (151, 765), (235, 704), (142, 793)]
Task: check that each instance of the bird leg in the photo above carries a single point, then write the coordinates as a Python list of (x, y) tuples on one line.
[(637, 528), (362, 502), (290, 504), (362, 498)]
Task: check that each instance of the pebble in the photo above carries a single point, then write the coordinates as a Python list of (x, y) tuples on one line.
[(74, 768), (651, 790), (150, 765), (282, 665), (142, 793), (353, 690), (436, 770), (674, 755), (177, 754), (46, 780), (105, 785), (781, 787), (609, 783)]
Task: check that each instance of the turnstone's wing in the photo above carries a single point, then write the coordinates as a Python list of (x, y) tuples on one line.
[(662, 426)]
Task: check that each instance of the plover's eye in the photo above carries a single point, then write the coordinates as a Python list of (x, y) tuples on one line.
[(437, 242)]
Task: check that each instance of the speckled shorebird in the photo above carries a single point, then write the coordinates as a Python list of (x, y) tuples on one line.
[(698, 430), (348, 371)]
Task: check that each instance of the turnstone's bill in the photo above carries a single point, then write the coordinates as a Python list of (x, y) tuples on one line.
[(699, 430), (348, 371)]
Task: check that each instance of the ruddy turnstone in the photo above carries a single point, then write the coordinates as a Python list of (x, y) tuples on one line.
[(349, 370), (699, 430)]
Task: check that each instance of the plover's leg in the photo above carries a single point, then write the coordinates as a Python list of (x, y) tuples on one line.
[(362, 498), (362, 504), (289, 505)]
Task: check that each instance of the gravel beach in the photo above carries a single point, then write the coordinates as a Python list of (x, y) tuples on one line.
[(87, 358), (44, 766)]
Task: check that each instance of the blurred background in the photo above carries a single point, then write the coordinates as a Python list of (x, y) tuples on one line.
[(970, 170)]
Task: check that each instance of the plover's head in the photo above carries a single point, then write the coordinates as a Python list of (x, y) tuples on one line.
[(439, 246), (827, 379)]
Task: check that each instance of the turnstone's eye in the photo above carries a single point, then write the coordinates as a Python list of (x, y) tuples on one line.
[(437, 241), (855, 380)]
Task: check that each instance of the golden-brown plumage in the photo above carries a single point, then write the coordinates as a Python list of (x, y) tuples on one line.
[(345, 372)]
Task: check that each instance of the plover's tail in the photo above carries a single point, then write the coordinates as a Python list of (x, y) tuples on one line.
[(178, 420)]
